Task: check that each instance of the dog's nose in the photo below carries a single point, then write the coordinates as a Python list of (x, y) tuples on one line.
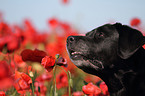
[(71, 39)]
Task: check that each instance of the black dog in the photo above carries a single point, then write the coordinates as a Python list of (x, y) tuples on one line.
[(114, 53)]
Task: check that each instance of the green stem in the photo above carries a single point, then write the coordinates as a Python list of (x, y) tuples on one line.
[(15, 92), (69, 78), (69, 86), (33, 89), (54, 74), (32, 86), (51, 91)]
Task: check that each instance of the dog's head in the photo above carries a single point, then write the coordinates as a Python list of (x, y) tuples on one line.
[(101, 47)]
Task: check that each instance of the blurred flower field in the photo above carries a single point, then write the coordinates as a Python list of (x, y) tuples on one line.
[(34, 63)]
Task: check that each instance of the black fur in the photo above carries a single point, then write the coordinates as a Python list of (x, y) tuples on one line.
[(114, 53)]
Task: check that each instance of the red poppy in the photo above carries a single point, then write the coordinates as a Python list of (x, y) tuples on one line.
[(61, 80), (62, 62), (43, 89), (6, 83), (10, 42), (44, 77), (65, 1), (53, 22), (21, 35), (22, 82), (4, 29), (91, 89), (57, 46), (42, 38), (4, 70), (5, 75), (8, 38), (48, 62), (65, 26), (104, 88), (18, 61), (2, 43), (78, 93), (34, 56), (52, 48), (143, 46), (135, 22), (68, 30), (29, 28), (30, 33), (2, 93)]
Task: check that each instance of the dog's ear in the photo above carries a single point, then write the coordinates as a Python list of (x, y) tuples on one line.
[(130, 40)]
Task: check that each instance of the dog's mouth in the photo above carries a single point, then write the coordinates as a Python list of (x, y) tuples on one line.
[(74, 55), (97, 63)]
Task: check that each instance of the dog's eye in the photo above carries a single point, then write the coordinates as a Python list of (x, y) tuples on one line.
[(99, 34)]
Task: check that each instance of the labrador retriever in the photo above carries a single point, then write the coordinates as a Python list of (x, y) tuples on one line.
[(113, 52)]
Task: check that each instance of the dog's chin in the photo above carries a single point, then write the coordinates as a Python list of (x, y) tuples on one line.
[(83, 62)]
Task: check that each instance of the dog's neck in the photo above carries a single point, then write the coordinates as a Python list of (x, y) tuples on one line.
[(114, 77)]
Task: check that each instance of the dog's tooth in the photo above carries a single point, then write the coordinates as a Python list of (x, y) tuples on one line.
[(79, 52), (75, 53)]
